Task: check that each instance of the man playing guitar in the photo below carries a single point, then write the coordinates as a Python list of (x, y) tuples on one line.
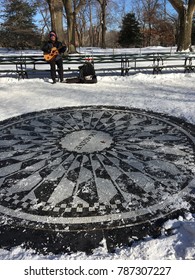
[(52, 53)]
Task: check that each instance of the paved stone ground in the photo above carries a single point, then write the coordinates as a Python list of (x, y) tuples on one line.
[(72, 176)]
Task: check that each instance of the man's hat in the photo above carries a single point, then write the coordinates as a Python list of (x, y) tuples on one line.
[(52, 33)]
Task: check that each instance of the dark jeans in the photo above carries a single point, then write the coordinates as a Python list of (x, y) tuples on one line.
[(59, 64)]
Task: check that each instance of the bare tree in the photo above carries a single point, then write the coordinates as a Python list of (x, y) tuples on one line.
[(147, 13), (101, 18), (103, 4), (56, 12), (72, 7), (185, 10), (91, 27), (157, 24), (44, 21)]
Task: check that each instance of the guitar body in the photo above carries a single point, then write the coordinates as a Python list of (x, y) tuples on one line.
[(50, 56)]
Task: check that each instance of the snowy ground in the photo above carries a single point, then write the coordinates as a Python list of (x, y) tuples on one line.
[(171, 93)]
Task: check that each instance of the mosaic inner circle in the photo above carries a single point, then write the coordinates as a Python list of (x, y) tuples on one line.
[(82, 168), (86, 141)]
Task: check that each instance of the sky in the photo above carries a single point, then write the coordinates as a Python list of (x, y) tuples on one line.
[(127, 5)]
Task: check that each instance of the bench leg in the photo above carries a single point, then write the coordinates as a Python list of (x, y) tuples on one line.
[(157, 70), (22, 74), (189, 69)]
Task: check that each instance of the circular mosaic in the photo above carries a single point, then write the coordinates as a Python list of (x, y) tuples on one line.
[(90, 168)]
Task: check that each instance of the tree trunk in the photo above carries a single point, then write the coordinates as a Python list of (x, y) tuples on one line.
[(71, 11), (185, 13), (103, 4), (185, 31), (91, 29), (104, 24), (56, 12)]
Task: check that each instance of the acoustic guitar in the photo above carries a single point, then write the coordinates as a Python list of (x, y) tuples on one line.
[(54, 52)]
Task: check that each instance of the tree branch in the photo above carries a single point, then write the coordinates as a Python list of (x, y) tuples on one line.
[(178, 5), (79, 6)]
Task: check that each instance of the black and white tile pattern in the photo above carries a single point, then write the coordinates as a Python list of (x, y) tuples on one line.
[(93, 167)]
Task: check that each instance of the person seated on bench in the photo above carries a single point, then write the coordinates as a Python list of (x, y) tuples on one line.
[(53, 50)]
